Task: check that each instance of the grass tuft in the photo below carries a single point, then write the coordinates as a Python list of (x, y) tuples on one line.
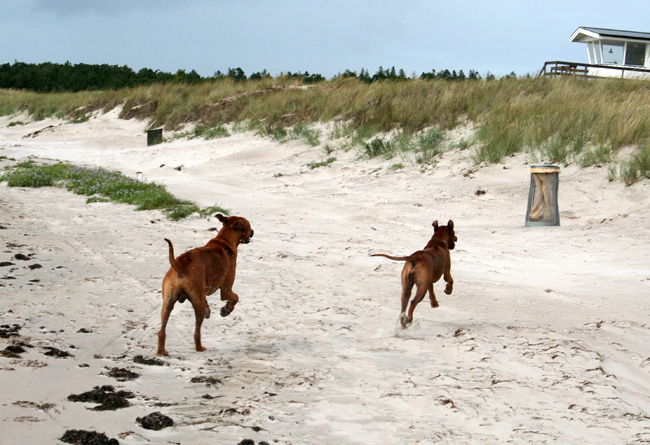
[(328, 161), (637, 167), (102, 185)]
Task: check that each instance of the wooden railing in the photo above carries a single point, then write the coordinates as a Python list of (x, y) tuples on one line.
[(558, 68)]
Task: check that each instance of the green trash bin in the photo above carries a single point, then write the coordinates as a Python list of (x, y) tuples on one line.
[(154, 136)]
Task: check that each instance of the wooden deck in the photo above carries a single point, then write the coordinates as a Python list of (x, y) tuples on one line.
[(558, 68)]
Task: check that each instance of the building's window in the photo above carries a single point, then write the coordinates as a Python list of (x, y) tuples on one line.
[(635, 54), (613, 53), (594, 52)]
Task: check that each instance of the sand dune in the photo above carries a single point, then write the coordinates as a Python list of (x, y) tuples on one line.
[(546, 338)]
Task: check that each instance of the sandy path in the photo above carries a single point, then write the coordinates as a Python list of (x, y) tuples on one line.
[(545, 338)]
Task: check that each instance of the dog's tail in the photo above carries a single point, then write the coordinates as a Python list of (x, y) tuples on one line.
[(394, 258), (172, 259)]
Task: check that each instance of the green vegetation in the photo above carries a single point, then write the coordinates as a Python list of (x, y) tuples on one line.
[(103, 185), (210, 133), (638, 166), (426, 145), (564, 120), (326, 162)]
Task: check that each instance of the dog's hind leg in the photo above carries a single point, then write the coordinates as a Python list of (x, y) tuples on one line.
[(199, 315), (432, 296), (407, 287), (419, 296), (168, 306)]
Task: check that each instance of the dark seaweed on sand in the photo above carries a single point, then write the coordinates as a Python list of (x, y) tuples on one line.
[(106, 396), (148, 361), (155, 421), (122, 374), (87, 438)]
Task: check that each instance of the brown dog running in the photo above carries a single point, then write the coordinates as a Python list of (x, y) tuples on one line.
[(200, 272), (425, 267)]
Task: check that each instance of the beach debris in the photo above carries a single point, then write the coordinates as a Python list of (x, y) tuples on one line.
[(148, 361), (122, 374), (58, 353), (105, 396), (155, 421), (87, 437), (49, 128), (207, 380), (14, 350), (7, 331)]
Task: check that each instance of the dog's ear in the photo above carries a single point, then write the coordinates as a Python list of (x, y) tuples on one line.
[(221, 218), (450, 224), (435, 225)]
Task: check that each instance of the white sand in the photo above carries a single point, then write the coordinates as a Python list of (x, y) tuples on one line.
[(546, 338)]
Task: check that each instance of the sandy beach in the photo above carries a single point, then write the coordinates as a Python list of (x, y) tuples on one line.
[(545, 339)]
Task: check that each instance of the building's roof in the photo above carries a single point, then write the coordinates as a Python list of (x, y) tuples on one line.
[(585, 33)]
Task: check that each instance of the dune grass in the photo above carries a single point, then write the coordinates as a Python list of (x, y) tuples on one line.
[(103, 185), (637, 167), (563, 120)]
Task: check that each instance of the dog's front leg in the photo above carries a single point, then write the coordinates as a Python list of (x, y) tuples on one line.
[(450, 282), (447, 276), (231, 299), (432, 296)]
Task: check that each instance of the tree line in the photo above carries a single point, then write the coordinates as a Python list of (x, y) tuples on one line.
[(55, 77)]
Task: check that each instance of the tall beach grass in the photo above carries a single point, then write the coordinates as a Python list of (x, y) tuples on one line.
[(564, 120)]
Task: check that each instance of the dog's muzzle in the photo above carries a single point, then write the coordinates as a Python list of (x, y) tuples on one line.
[(248, 240)]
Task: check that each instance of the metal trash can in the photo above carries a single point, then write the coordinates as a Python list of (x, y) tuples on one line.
[(154, 136), (542, 196)]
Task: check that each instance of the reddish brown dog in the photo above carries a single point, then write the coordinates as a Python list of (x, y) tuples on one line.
[(200, 272), (425, 267)]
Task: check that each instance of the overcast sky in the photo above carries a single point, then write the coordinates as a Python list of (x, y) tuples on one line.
[(318, 36)]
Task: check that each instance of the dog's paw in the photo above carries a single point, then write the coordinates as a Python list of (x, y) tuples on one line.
[(434, 304), (405, 321), (225, 311), (207, 312), (448, 290)]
